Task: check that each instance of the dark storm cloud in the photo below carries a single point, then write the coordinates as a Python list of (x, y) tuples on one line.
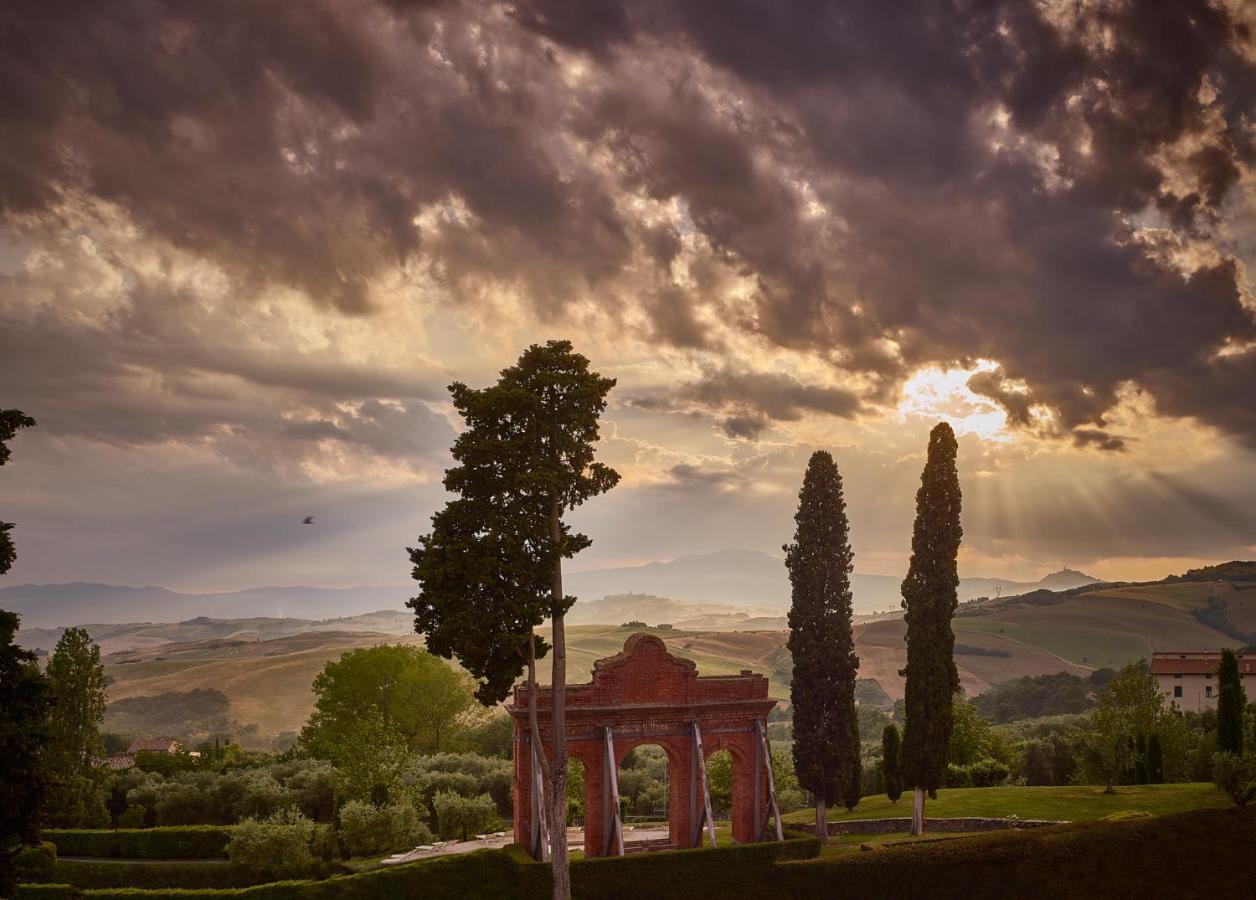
[(898, 184), (751, 401)]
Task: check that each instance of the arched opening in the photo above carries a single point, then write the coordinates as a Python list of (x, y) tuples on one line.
[(720, 776), (644, 779)]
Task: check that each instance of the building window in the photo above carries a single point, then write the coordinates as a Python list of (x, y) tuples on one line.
[(1178, 677), (1208, 691), (1177, 690)]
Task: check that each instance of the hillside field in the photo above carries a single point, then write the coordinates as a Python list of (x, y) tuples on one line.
[(267, 679)]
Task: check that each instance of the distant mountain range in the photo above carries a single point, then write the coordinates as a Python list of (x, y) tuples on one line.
[(757, 580), (753, 582), (53, 605)]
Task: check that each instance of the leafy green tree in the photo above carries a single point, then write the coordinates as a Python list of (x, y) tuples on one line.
[(420, 698), (929, 598), (25, 699), (890, 762), (491, 569), (822, 692), (971, 735), (1230, 704), (11, 422), (1130, 706), (74, 752)]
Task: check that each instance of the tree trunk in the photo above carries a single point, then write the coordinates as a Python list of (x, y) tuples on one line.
[(558, 714), (822, 822), (918, 813)]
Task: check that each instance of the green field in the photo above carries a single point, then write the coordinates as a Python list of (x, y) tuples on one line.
[(1092, 647), (1073, 803)]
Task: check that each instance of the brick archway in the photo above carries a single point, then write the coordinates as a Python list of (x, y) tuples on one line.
[(644, 695)]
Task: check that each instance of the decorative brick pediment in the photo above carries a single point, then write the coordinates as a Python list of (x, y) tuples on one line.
[(643, 672)]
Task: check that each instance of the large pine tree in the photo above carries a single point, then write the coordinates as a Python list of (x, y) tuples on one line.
[(929, 598), (1230, 703), (491, 569), (822, 693)]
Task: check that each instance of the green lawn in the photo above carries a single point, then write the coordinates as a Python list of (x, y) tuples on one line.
[(1074, 803)]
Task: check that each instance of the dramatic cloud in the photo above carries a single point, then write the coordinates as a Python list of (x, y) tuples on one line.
[(272, 232)]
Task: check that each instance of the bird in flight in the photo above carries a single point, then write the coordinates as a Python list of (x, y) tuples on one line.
[(308, 520)]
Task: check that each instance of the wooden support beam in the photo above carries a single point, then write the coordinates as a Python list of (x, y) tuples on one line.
[(540, 832), (613, 823), (707, 818), (773, 809)]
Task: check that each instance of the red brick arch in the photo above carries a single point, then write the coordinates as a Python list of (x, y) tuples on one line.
[(647, 696)]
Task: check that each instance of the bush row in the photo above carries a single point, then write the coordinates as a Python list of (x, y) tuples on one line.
[(179, 842), (509, 873), (1189, 854), (169, 874)]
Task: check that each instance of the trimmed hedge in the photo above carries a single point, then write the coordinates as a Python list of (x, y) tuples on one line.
[(46, 892), (1201, 853), (177, 842), (163, 874), (488, 874), (719, 872), (1204, 853)]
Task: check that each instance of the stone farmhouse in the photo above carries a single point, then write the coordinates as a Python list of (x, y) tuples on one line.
[(1188, 678)]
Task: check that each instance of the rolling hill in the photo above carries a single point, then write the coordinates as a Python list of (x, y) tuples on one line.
[(264, 666), (736, 584)]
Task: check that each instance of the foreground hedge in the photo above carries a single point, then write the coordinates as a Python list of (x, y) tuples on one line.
[(178, 842), (510, 873), (167, 874), (1202, 853), (735, 871), (1205, 853), (488, 874)]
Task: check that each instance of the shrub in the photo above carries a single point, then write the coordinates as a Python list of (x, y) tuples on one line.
[(187, 842), (367, 830), (277, 847), (35, 862), (1236, 775), (987, 773), (957, 776), (461, 817)]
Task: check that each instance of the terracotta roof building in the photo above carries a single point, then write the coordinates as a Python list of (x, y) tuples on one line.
[(1188, 678)]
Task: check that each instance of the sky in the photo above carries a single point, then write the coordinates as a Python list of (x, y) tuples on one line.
[(245, 246)]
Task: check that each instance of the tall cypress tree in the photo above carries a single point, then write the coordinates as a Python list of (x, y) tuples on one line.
[(889, 763), (822, 692), (854, 781), (929, 598), (1230, 703)]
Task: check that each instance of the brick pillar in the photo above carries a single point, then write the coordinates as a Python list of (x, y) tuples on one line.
[(680, 816), (745, 828), (594, 805)]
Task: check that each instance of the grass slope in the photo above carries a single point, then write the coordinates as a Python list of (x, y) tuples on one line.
[(1072, 803)]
